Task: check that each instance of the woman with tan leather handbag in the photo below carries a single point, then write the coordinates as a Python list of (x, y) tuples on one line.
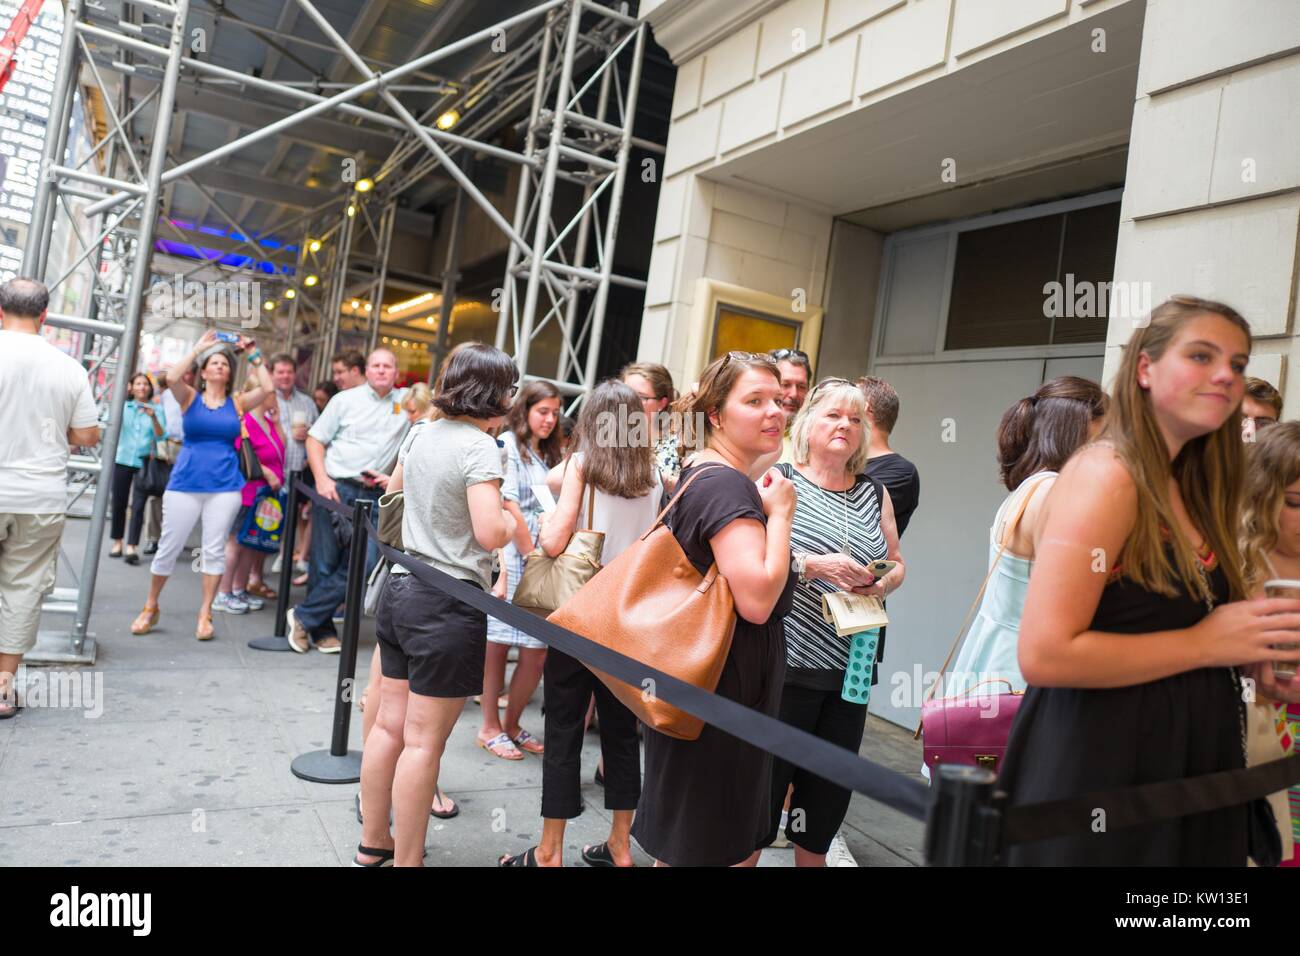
[(705, 801), (612, 490)]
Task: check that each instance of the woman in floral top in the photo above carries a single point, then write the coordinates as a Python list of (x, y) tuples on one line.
[(654, 385)]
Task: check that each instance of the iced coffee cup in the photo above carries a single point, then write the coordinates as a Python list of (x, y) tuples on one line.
[(1282, 588)]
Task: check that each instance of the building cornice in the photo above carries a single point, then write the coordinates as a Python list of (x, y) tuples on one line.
[(686, 28)]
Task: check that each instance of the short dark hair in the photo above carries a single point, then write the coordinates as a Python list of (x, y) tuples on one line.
[(1264, 393), (478, 382), (882, 402), (328, 387), (24, 298), (794, 357), (351, 358), (280, 357)]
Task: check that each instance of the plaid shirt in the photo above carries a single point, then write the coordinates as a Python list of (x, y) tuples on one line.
[(295, 452)]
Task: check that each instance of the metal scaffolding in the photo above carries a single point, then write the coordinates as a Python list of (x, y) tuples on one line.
[(562, 51)]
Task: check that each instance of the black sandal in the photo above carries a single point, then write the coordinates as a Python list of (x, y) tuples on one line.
[(527, 858), (600, 777), (598, 855), (385, 856), (444, 814)]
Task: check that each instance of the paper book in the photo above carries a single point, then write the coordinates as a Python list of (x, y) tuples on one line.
[(853, 613)]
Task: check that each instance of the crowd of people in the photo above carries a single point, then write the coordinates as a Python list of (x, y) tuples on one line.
[(1128, 596)]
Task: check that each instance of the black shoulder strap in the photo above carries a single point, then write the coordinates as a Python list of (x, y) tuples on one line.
[(879, 490)]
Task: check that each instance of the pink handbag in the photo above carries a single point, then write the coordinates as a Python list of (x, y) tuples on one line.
[(971, 728)]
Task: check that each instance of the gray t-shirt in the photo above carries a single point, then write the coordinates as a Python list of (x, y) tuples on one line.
[(442, 460)]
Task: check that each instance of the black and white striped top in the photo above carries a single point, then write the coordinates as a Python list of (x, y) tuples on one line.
[(811, 643)]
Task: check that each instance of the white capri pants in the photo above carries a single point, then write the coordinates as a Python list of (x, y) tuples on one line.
[(216, 509)]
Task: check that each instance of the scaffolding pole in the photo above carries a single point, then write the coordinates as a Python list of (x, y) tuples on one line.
[(549, 275)]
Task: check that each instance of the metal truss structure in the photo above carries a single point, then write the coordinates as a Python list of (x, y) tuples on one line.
[(114, 199)]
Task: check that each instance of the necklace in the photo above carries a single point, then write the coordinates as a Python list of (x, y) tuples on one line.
[(844, 548), (209, 404)]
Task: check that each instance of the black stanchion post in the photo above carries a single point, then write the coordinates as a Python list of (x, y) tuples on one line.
[(965, 823), (338, 764), (276, 640)]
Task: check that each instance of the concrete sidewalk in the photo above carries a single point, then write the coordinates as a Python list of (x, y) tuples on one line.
[(178, 755)]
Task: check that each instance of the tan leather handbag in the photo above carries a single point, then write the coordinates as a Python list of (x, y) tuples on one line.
[(547, 582), (651, 604), (392, 510)]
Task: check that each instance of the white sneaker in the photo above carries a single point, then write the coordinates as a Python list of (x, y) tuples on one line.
[(838, 854), (230, 603), (275, 565), (254, 602)]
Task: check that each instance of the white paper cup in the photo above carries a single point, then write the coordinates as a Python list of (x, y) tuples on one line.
[(1284, 588), (299, 418)]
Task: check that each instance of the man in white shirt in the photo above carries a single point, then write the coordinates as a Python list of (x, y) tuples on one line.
[(357, 435), (47, 407)]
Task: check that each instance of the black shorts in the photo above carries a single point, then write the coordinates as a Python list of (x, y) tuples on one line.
[(431, 640)]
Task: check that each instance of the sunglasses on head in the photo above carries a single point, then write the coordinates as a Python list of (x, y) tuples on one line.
[(790, 355)]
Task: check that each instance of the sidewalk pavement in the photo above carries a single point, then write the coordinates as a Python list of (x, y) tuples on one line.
[(178, 755)]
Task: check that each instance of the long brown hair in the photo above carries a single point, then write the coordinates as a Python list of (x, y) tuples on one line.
[(1209, 468), (715, 385), (1272, 465), (530, 395), (616, 467), (1041, 432)]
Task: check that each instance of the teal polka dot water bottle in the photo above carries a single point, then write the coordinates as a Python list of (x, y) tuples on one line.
[(862, 664)]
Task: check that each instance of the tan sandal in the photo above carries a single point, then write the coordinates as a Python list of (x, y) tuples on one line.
[(204, 631), (146, 621), (500, 746)]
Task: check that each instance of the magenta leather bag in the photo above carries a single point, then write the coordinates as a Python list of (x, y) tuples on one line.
[(971, 728)]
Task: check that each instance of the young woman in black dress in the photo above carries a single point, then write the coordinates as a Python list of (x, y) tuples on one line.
[(705, 802), (1136, 617)]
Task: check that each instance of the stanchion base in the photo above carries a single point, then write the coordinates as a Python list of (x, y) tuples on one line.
[(321, 766), (272, 642)]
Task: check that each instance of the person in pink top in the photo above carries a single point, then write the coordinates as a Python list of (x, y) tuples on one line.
[(267, 439)]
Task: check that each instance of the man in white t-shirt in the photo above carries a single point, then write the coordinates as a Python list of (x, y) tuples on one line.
[(47, 407)]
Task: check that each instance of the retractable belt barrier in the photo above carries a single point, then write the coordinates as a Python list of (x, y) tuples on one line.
[(968, 821)]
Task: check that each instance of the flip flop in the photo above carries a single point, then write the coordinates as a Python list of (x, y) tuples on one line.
[(527, 858), (528, 743), (498, 743), (385, 856), (9, 704), (444, 814), (599, 855)]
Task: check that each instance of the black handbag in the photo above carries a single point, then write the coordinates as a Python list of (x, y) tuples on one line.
[(249, 465), (151, 480)]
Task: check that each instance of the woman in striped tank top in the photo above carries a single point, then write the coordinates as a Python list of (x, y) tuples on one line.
[(843, 521)]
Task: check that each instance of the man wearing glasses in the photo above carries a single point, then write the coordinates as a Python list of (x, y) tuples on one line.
[(795, 371), (1261, 406)]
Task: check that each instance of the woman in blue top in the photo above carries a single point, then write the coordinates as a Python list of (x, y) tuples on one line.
[(206, 481), (143, 424)]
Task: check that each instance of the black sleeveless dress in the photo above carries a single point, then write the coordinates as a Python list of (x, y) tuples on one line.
[(1067, 741), (705, 802)]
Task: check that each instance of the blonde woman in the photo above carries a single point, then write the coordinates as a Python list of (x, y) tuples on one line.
[(843, 521), (1137, 613), (1270, 547)]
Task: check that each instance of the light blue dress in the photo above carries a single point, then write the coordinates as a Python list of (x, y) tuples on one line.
[(990, 649)]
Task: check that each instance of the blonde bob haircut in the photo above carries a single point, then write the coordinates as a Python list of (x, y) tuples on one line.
[(828, 389)]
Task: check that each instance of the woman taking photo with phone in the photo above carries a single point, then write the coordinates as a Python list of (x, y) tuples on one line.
[(705, 802), (206, 482), (143, 426), (1137, 615)]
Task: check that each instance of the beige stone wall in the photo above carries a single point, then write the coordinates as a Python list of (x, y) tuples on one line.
[(751, 72), (1212, 197)]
